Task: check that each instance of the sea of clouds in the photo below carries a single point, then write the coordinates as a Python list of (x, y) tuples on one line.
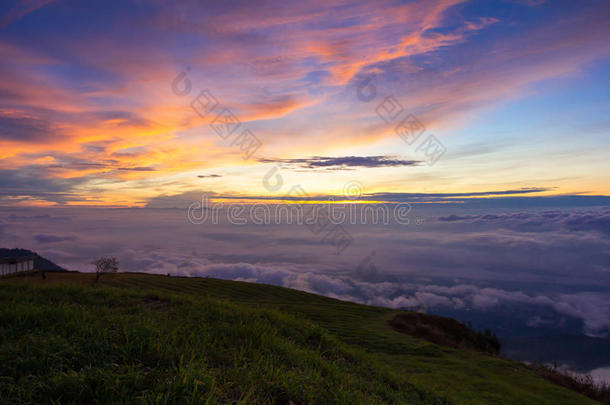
[(553, 265)]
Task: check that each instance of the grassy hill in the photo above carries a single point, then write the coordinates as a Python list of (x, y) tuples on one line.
[(139, 338)]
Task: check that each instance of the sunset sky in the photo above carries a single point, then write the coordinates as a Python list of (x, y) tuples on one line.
[(486, 121), (93, 110)]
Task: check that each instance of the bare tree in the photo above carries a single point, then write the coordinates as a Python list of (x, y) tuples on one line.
[(105, 265)]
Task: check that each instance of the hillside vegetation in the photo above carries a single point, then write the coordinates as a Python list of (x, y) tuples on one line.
[(139, 338)]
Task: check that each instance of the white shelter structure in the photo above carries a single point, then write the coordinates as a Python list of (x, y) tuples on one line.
[(16, 265)]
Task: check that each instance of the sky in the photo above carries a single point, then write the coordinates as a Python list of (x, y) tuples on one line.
[(119, 103), (455, 153)]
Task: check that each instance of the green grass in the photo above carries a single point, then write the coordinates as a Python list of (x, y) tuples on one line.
[(137, 338)]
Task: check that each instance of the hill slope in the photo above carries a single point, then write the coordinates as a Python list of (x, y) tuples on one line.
[(147, 338)]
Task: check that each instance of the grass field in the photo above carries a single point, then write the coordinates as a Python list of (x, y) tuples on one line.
[(139, 338)]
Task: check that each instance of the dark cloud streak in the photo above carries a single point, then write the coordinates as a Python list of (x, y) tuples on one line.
[(345, 162)]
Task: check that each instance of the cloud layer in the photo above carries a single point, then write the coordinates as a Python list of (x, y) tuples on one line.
[(538, 270)]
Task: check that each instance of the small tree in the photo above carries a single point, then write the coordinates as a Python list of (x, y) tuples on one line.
[(105, 265)]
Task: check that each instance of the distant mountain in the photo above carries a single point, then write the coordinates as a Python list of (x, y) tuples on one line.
[(40, 263)]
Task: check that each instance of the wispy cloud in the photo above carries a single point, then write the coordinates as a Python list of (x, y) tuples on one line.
[(344, 162), (446, 196), (20, 9), (45, 238), (289, 71)]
